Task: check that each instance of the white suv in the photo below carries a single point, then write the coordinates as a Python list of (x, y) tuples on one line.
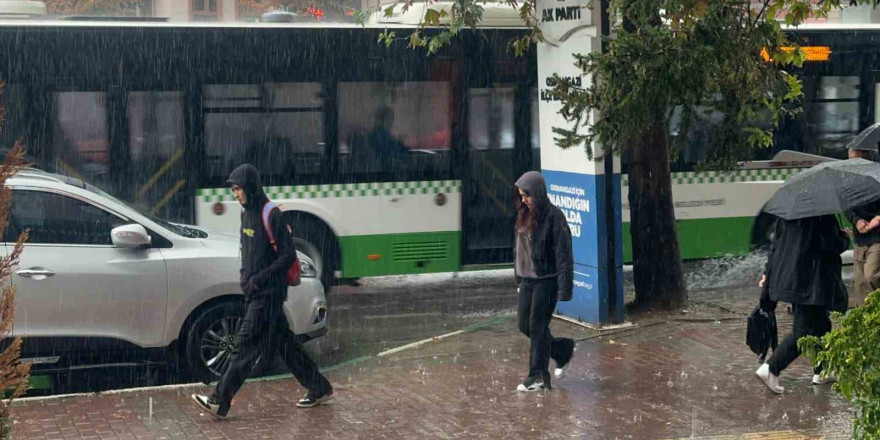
[(98, 277)]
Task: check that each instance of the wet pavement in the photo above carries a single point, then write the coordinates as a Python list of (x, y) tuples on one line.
[(677, 375), (381, 314)]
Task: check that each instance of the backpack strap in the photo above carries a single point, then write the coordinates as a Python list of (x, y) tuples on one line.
[(267, 208)]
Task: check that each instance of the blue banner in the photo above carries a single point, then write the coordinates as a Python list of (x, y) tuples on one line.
[(581, 197)]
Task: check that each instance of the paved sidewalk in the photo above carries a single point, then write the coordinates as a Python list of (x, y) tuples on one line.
[(685, 375)]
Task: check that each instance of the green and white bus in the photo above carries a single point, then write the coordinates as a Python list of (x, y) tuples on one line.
[(388, 161), (716, 211)]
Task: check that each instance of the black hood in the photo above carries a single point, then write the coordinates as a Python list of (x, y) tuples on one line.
[(532, 183), (248, 178)]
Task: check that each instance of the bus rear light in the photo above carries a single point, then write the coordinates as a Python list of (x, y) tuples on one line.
[(374, 257)]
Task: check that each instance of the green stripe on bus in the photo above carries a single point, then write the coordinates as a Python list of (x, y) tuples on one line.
[(209, 195), (400, 254), (705, 238), (40, 382)]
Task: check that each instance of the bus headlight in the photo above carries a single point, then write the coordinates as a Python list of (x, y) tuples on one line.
[(307, 269)]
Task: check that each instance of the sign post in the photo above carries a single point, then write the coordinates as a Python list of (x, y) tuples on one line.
[(587, 191)]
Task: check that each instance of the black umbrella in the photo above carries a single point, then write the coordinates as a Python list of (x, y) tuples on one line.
[(868, 139), (827, 188)]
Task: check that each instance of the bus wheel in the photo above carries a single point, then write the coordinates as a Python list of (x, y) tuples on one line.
[(313, 238), (314, 253), (762, 232)]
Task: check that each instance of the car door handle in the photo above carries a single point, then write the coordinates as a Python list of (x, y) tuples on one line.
[(36, 273)]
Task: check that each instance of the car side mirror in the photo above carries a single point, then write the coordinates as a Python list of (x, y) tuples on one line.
[(132, 236)]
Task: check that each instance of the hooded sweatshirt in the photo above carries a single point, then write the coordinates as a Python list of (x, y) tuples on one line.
[(263, 271), (549, 246)]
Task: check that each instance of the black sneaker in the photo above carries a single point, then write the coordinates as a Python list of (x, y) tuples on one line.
[(209, 405), (531, 385), (567, 354), (311, 400)]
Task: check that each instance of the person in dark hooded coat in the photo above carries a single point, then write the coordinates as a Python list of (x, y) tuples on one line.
[(544, 270), (264, 329), (804, 269)]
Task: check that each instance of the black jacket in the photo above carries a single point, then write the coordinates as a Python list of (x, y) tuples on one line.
[(263, 271), (551, 239), (865, 213), (804, 263)]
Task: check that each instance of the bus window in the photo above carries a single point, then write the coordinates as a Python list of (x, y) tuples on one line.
[(278, 127), (834, 116), (394, 132), (13, 124), (155, 147), (81, 138), (490, 118)]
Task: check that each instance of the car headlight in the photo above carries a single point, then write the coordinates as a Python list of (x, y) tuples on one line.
[(307, 269)]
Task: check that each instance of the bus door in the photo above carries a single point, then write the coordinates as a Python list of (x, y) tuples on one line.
[(499, 151), (152, 137)]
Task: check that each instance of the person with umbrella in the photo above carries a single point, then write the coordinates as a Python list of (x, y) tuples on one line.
[(866, 237), (804, 264), (803, 269)]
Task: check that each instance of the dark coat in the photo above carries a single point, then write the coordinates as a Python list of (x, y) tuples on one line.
[(263, 271), (804, 263), (551, 239)]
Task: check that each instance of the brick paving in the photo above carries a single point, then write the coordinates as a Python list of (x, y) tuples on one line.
[(672, 377)]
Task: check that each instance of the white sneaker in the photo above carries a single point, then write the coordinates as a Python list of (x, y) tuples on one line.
[(822, 380), (537, 385), (769, 379), (559, 372)]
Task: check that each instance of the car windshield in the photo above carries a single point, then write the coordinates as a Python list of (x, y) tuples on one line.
[(184, 231)]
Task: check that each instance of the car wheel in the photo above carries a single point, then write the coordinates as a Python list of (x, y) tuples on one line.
[(211, 339)]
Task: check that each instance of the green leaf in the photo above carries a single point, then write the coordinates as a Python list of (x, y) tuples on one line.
[(432, 17)]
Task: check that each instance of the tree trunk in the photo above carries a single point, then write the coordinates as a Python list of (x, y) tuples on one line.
[(657, 266)]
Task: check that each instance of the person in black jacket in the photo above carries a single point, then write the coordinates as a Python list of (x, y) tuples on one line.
[(264, 328), (803, 268), (544, 271)]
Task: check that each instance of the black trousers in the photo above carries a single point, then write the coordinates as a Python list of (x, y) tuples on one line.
[(537, 300), (264, 332), (808, 320)]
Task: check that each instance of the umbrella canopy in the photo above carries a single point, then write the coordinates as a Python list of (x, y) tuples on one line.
[(868, 139), (827, 188)]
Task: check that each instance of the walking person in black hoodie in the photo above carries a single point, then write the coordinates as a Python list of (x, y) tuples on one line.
[(803, 268), (544, 271), (264, 329)]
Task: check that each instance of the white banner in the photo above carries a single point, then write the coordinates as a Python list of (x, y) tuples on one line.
[(569, 28)]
